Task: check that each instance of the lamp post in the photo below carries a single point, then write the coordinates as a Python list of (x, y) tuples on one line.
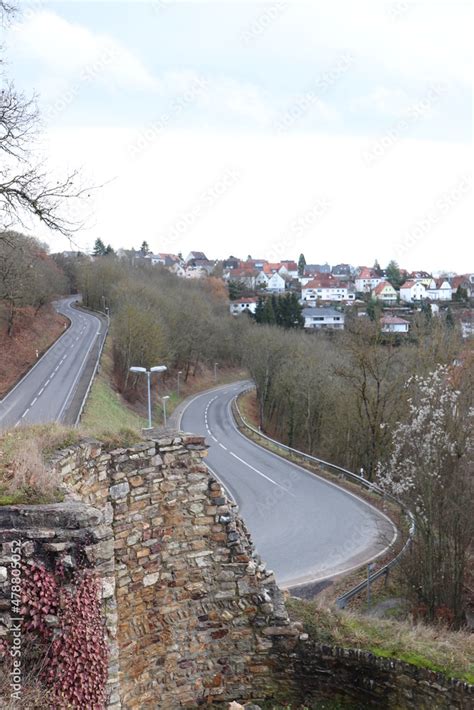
[(158, 368), (164, 408), (180, 372), (215, 371)]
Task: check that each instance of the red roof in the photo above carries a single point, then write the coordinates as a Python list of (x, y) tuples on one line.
[(251, 299), (408, 284), (366, 273)]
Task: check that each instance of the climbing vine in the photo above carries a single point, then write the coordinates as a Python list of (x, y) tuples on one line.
[(69, 625)]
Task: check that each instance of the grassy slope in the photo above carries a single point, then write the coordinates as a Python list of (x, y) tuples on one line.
[(435, 648), (106, 410)]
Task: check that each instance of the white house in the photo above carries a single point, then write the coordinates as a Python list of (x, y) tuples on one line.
[(394, 324), (262, 280), (412, 291), (440, 290), (276, 283), (242, 304), (385, 292), (367, 280), (318, 318), (324, 290)]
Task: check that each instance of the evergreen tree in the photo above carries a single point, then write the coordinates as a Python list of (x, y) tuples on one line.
[(268, 315), (108, 250), (301, 265), (144, 249), (394, 275), (259, 310), (99, 248), (426, 310), (376, 267), (461, 294)]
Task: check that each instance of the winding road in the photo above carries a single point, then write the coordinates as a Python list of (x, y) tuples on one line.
[(48, 392), (304, 527)]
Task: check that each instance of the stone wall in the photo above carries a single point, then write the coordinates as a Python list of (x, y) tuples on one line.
[(191, 611), (313, 671)]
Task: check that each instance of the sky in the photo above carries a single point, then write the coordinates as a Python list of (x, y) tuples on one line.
[(339, 129)]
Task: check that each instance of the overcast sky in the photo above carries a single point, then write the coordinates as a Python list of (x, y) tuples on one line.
[(341, 129)]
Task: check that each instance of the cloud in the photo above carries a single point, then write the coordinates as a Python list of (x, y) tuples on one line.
[(68, 51)]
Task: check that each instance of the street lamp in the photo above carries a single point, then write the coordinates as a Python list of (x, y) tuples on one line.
[(180, 372), (158, 368), (215, 371), (164, 408)]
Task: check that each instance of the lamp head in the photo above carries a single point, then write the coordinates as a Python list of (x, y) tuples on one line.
[(158, 368), (138, 369)]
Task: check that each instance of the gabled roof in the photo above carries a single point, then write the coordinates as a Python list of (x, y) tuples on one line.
[(197, 255), (409, 284), (381, 286), (271, 268), (439, 282), (366, 273), (290, 265), (250, 299)]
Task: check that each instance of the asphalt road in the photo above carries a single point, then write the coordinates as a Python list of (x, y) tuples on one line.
[(305, 528), (47, 392)]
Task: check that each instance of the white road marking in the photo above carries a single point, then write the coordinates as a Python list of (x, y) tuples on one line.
[(41, 392), (213, 437), (25, 412), (222, 446), (257, 471), (34, 401)]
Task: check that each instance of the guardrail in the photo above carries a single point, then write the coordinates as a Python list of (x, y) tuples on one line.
[(96, 367), (341, 601)]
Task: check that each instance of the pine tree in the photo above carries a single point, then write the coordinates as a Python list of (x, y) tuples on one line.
[(144, 249), (394, 275), (259, 310), (99, 248), (301, 265)]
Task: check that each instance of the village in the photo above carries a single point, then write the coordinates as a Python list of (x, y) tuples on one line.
[(326, 293)]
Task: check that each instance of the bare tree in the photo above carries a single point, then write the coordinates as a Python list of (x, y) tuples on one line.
[(26, 186)]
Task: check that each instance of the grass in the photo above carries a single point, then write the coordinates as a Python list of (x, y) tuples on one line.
[(24, 474), (434, 648), (106, 414)]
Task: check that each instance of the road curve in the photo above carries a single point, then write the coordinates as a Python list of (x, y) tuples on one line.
[(46, 392), (304, 527)]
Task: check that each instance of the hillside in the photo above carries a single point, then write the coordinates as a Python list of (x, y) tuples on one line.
[(33, 334)]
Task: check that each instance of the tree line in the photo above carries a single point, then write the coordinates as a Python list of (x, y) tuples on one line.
[(28, 275)]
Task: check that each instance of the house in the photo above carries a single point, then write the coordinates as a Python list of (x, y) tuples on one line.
[(195, 256), (439, 290), (164, 259), (272, 268), (231, 263), (367, 279), (312, 269), (462, 282), (423, 276), (262, 280), (195, 272), (343, 270), (291, 268), (276, 283), (394, 324), (319, 318), (246, 276), (242, 304), (412, 291), (385, 292), (327, 288), (255, 264)]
